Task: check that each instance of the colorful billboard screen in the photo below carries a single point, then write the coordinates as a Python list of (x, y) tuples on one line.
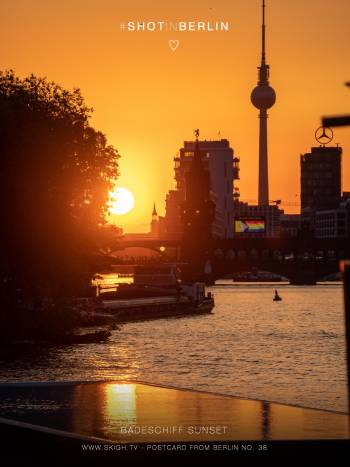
[(249, 225)]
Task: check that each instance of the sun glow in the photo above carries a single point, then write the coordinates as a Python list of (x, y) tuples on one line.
[(121, 201)]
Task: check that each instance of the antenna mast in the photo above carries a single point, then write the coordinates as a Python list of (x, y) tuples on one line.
[(263, 57)]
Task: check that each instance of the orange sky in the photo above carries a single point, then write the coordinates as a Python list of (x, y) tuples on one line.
[(148, 99)]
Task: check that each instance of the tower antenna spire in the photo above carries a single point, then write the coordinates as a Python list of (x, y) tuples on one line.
[(154, 212), (263, 54)]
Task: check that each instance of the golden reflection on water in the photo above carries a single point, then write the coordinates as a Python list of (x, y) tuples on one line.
[(120, 400), (133, 412)]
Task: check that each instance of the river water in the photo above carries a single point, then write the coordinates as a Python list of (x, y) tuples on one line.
[(291, 351)]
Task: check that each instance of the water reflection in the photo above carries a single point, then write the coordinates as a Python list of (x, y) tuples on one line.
[(265, 420), (134, 412), (121, 402)]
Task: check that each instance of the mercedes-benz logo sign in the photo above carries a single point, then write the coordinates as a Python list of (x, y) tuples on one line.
[(324, 135)]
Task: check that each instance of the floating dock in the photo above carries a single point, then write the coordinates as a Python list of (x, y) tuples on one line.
[(104, 414)]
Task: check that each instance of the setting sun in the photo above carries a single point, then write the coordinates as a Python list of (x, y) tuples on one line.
[(121, 201)]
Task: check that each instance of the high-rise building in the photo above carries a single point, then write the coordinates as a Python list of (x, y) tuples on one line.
[(198, 207), (263, 98), (197, 213), (223, 168), (320, 181)]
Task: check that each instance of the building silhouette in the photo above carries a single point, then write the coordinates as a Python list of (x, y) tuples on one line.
[(334, 223), (290, 225), (197, 213), (320, 181), (223, 168), (198, 208), (218, 159)]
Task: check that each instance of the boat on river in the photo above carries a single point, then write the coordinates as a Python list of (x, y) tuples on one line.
[(152, 308), (276, 297), (155, 293)]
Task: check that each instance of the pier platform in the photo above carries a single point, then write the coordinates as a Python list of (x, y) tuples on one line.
[(135, 412), (103, 423)]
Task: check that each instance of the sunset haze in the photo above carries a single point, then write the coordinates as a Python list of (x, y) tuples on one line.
[(148, 99)]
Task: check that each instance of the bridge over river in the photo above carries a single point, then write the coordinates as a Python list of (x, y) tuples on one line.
[(302, 261)]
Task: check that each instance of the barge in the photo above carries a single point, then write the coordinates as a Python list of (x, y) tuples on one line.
[(155, 293), (151, 308)]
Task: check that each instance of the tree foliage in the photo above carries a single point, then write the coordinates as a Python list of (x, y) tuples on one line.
[(55, 174)]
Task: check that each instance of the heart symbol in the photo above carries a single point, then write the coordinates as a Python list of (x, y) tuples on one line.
[(174, 44)]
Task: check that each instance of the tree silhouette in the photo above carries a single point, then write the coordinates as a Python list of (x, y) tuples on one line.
[(55, 174)]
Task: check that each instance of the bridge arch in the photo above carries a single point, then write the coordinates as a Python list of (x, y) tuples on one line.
[(242, 255), (230, 255), (265, 254), (254, 254)]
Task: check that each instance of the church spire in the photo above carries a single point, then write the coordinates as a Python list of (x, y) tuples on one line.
[(155, 217), (154, 212)]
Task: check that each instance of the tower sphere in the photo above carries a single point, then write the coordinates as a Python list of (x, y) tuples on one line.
[(263, 97)]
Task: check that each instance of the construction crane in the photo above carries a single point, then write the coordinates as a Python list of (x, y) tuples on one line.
[(277, 202)]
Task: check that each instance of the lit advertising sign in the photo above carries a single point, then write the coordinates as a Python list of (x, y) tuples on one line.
[(246, 225)]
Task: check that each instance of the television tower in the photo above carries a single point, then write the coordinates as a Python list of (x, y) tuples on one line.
[(263, 97)]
